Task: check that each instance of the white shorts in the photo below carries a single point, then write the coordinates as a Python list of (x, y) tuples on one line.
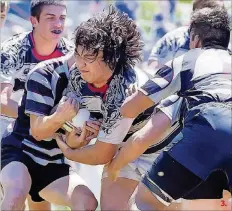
[(136, 169)]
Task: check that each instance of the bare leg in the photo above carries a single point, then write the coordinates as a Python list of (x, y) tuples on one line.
[(15, 186), (116, 195), (70, 191)]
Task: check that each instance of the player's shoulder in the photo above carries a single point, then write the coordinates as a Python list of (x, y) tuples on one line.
[(185, 61), (17, 41), (213, 58), (202, 54), (51, 67), (66, 46)]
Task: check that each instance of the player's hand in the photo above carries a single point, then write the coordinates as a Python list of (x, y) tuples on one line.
[(112, 171), (66, 109), (72, 141), (93, 128), (131, 89)]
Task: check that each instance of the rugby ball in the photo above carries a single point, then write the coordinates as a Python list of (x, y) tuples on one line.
[(78, 121)]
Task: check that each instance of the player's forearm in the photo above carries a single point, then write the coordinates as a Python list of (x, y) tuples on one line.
[(43, 127), (91, 155), (133, 148), (9, 107), (139, 142)]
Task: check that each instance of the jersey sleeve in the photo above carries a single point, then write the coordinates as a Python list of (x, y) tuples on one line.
[(166, 82), (39, 94)]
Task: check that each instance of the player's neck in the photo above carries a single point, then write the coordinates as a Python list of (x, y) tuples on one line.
[(104, 81), (43, 47)]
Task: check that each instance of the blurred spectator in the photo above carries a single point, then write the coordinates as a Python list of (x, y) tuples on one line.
[(4, 6), (123, 6)]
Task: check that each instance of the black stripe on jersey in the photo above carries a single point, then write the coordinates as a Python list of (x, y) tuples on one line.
[(48, 145), (166, 73), (38, 88), (41, 155), (151, 87), (46, 74), (37, 107)]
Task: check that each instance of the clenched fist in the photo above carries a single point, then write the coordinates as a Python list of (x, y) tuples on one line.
[(66, 109)]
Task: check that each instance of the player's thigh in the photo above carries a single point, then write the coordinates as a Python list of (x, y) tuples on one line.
[(14, 169), (66, 190), (15, 175), (116, 195), (16, 182)]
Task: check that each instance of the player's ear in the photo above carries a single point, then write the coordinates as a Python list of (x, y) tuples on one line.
[(34, 21), (195, 41), (198, 43)]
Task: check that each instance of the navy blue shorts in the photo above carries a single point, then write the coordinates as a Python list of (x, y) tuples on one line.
[(41, 176), (200, 165)]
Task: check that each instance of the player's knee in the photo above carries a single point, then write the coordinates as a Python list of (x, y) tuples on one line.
[(83, 199), (14, 199)]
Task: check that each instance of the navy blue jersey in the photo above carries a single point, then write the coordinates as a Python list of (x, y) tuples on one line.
[(18, 57), (43, 90), (200, 76)]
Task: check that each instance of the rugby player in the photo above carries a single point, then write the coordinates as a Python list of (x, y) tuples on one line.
[(31, 151), (203, 77), (20, 53), (107, 47), (173, 44)]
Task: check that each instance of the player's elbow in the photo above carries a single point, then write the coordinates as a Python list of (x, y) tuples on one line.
[(37, 135)]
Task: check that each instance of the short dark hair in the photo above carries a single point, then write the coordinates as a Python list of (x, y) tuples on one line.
[(37, 5), (115, 34), (212, 25), (200, 4)]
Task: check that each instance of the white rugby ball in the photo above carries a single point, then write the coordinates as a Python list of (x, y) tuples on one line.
[(82, 116)]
